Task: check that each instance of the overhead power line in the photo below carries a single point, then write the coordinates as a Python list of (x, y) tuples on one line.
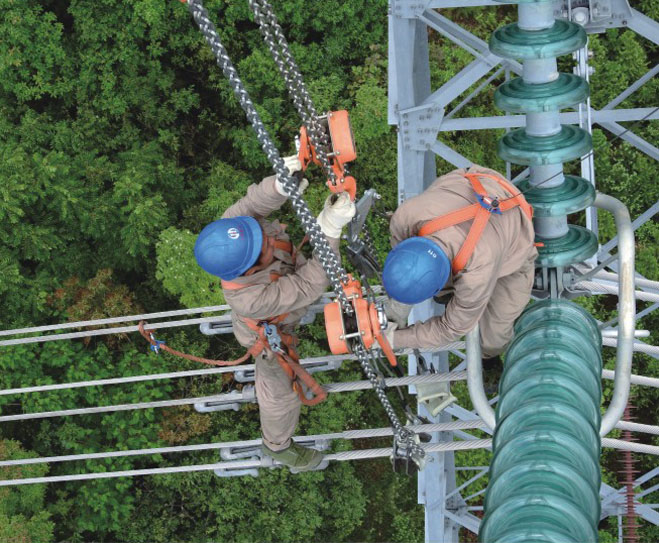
[(336, 387), (362, 454)]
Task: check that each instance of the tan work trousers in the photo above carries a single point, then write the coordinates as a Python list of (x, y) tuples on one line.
[(279, 404), (511, 295)]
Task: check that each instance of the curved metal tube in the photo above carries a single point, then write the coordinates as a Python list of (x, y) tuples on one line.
[(626, 310), (475, 378)]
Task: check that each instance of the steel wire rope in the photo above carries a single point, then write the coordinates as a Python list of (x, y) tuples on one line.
[(640, 380), (347, 434), (362, 454), (377, 384), (114, 320)]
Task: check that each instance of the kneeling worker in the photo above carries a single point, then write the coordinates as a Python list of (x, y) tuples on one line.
[(265, 281), (468, 234)]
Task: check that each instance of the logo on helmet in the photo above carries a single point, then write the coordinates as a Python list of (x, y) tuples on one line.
[(233, 233)]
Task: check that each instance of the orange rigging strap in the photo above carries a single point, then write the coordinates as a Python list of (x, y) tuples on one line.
[(337, 124)]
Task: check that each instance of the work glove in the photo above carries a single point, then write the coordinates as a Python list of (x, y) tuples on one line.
[(337, 212), (397, 312), (389, 334), (293, 164)]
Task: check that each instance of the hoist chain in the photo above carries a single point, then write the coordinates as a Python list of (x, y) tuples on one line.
[(326, 256), (406, 439), (370, 246), (274, 38), (337, 275)]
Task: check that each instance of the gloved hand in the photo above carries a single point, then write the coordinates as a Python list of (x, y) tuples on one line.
[(293, 164), (397, 312), (337, 212), (389, 333)]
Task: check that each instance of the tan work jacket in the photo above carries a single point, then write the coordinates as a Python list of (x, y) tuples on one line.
[(301, 283), (506, 246)]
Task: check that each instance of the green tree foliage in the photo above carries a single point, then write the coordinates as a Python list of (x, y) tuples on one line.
[(119, 141), (23, 517)]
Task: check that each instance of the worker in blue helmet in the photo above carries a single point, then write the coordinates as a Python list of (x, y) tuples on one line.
[(266, 280), (468, 241)]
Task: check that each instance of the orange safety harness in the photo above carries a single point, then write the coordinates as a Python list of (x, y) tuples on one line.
[(480, 212), (284, 348), (282, 345)]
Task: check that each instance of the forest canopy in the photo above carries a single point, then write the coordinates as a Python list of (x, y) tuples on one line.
[(119, 140)]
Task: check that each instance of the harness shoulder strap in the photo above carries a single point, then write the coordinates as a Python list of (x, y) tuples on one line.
[(480, 215)]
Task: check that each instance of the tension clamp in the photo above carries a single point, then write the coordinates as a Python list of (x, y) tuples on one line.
[(404, 461)]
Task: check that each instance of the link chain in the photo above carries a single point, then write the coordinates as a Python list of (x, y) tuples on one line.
[(276, 41), (402, 434), (326, 256), (370, 246)]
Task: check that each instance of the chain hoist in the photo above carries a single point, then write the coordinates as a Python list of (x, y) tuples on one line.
[(316, 140)]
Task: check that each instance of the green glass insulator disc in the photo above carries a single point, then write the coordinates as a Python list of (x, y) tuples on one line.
[(534, 534), (550, 417), (562, 310), (553, 387), (577, 245), (520, 148), (517, 96), (561, 38), (554, 335), (538, 511), (543, 446), (567, 363), (575, 194), (546, 477)]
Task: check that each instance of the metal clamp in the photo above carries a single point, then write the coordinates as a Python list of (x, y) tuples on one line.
[(273, 337), (403, 459), (359, 251), (229, 401)]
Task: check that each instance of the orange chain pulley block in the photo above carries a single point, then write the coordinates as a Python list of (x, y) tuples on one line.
[(363, 325), (337, 125)]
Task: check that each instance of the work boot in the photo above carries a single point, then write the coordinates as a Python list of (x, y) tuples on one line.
[(492, 370), (296, 456)]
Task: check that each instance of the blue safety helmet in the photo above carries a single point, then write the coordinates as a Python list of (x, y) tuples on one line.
[(415, 270), (229, 247)]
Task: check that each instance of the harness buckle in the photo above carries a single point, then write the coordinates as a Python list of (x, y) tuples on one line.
[(272, 336), (490, 204)]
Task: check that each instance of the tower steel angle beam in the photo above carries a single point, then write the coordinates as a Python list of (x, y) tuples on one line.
[(409, 92), (643, 25)]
